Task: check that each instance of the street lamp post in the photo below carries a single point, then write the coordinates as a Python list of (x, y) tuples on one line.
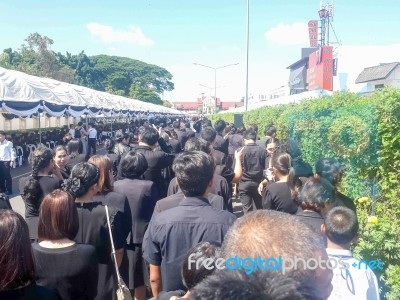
[(215, 74)]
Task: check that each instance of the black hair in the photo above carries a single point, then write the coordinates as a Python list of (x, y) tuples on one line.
[(270, 130), (253, 127), (176, 125), (194, 170), (122, 136), (59, 148), (330, 169), (219, 125), (196, 144), (207, 123), (315, 194), (250, 135), (149, 136), (271, 141), (41, 159), (2, 132), (208, 134), (109, 145), (237, 285), (133, 164), (74, 147), (283, 163), (83, 176), (16, 260), (341, 225), (191, 274)]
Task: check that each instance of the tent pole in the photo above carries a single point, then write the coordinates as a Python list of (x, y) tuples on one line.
[(40, 130)]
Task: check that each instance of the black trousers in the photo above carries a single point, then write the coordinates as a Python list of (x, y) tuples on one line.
[(5, 177), (91, 145), (248, 191)]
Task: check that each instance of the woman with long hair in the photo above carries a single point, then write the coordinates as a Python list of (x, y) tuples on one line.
[(16, 261), (281, 194), (35, 187), (83, 185), (61, 263)]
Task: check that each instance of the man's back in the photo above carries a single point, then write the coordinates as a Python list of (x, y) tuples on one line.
[(357, 281), (174, 231)]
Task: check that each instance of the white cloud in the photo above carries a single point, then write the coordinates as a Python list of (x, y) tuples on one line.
[(284, 34), (109, 34)]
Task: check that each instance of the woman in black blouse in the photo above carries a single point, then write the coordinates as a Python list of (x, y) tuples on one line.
[(33, 188), (61, 263), (281, 194), (83, 185), (16, 261)]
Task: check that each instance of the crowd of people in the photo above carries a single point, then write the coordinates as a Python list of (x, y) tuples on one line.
[(172, 188)]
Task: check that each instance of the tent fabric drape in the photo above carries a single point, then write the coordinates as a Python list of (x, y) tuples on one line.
[(22, 94)]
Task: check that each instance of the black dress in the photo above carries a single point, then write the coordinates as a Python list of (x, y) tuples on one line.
[(47, 184), (277, 196), (93, 230), (71, 270)]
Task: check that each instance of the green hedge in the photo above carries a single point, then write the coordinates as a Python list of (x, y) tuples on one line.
[(363, 133)]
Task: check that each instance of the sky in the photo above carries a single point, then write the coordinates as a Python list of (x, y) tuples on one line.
[(175, 34)]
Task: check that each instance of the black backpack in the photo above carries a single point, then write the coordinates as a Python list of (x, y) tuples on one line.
[(78, 133)]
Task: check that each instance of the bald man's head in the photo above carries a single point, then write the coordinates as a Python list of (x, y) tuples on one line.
[(272, 234)]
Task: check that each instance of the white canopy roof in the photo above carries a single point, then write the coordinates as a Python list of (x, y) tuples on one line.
[(19, 92)]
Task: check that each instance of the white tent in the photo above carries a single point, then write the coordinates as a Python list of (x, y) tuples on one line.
[(24, 95)]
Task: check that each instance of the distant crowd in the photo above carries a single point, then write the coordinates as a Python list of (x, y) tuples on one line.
[(171, 200)]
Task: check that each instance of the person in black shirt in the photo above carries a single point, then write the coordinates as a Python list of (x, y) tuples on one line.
[(60, 263), (221, 144), (75, 155), (35, 187), (60, 162), (315, 199), (253, 166), (174, 231), (331, 170), (109, 145), (16, 261), (281, 194), (156, 160), (93, 228), (142, 196)]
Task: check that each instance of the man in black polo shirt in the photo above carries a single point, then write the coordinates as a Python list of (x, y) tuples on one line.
[(173, 232), (253, 166)]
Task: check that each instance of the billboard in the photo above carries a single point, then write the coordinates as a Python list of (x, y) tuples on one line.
[(320, 69)]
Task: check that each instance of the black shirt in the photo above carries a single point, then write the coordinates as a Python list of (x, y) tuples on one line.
[(93, 230), (174, 200), (47, 185), (71, 270), (312, 218), (277, 196), (175, 231), (142, 196), (30, 292), (74, 160), (221, 144), (253, 163), (219, 187), (157, 161)]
